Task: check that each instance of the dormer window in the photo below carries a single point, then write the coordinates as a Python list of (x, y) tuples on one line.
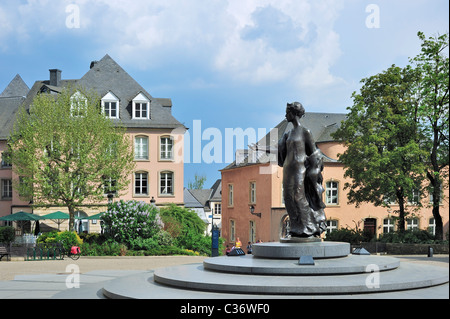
[(110, 106), (141, 107), (78, 105)]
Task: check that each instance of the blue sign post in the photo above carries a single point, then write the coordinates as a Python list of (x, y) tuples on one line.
[(215, 241)]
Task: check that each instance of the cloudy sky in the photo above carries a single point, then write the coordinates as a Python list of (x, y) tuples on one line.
[(227, 63)]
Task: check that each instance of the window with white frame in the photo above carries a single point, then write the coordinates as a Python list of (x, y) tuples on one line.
[(166, 183), (390, 199), (141, 107), (110, 105), (252, 232), (388, 225), (232, 230), (432, 226), (414, 199), (230, 195), (166, 148), (331, 225), (141, 183), (412, 223), (252, 192), (217, 209), (440, 196), (109, 186), (332, 193), (7, 189), (78, 105), (6, 161), (141, 148)]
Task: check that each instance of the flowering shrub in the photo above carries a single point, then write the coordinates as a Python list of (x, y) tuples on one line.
[(125, 221)]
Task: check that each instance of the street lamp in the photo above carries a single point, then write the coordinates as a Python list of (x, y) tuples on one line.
[(252, 211)]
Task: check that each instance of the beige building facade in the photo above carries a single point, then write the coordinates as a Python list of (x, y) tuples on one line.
[(157, 138)]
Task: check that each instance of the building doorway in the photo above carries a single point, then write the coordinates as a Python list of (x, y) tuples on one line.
[(370, 228), (81, 223)]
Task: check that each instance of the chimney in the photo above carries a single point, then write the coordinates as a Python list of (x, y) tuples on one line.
[(55, 77)]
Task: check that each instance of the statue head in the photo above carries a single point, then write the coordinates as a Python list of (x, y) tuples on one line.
[(296, 109)]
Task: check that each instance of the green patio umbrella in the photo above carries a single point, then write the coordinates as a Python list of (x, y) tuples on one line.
[(20, 216), (58, 217), (96, 216)]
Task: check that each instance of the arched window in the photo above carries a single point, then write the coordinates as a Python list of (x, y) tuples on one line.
[(166, 148), (141, 183), (141, 148), (78, 105), (166, 183)]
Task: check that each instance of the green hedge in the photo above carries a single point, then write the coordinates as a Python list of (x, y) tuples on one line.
[(414, 236), (7, 234)]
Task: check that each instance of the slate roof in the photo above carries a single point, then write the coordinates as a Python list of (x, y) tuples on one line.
[(321, 126), (107, 76), (16, 88), (191, 202), (10, 100), (200, 198), (216, 191)]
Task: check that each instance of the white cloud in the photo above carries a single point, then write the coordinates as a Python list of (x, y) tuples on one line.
[(276, 40), (255, 41)]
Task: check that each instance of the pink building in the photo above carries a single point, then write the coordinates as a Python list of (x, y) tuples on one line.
[(157, 137), (255, 186)]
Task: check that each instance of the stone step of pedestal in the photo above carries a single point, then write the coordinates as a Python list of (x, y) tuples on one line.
[(289, 250), (406, 276), (344, 265)]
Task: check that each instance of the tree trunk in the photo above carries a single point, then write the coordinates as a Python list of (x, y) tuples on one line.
[(436, 191), (71, 217), (439, 229), (401, 212)]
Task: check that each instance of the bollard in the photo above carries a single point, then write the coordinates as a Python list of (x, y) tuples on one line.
[(430, 251)]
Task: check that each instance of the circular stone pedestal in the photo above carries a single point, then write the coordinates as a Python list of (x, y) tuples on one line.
[(351, 264), (289, 250), (271, 270), (300, 240)]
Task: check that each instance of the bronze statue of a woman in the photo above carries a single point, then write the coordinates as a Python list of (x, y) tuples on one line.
[(302, 176)]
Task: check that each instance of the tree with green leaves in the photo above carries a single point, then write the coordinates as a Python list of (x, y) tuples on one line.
[(66, 152), (383, 154), (198, 182), (432, 98)]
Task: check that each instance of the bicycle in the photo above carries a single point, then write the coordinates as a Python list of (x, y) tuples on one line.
[(74, 253)]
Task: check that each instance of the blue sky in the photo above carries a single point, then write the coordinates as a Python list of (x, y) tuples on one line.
[(228, 63)]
